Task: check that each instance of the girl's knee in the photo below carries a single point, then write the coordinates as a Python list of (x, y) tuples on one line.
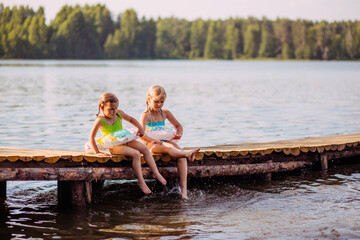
[(144, 149), (135, 154)]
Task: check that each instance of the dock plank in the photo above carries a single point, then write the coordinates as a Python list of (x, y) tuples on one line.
[(288, 147)]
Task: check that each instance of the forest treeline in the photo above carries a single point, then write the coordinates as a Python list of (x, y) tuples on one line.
[(90, 32)]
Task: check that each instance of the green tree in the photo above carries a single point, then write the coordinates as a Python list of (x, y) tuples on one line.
[(283, 38), (198, 33), (57, 42), (231, 40), (356, 39), (112, 46), (267, 44), (147, 39), (239, 23), (182, 38), (38, 34), (90, 32), (77, 39), (100, 17), (172, 38), (124, 43), (165, 44), (323, 39), (13, 32), (310, 51), (338, 48), (252, 41), (214, 41), (298, 29), (129, 31), (352, 39)]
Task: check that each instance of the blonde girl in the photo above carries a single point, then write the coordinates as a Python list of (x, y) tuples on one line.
[(155, 115), (110, 121)]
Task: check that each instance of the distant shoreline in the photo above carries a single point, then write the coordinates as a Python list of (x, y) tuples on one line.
[(197, 59), (90, 32)]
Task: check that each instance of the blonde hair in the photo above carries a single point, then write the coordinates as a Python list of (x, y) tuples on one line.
[(105, 98), (155, 92)]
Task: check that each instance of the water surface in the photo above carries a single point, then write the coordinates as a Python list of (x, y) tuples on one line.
[(52, 104)]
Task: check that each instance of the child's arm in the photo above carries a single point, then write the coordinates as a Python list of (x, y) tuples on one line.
[(133, 121), (175, 123), (92, 135), (143, 119)]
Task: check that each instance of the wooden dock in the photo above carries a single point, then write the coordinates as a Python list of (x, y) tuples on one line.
[(77, 172)]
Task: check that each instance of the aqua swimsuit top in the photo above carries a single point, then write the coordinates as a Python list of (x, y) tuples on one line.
[(155, 124), (107, 129)]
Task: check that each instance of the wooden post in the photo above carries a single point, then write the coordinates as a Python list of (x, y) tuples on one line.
[(64, 194), (3, 189), (324, 162), (78, 196), (267, 176), (88, 192), (74, 193), (6, 232), (4, 212)]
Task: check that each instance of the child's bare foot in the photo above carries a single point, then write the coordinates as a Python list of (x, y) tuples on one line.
[(191, 154), (143, 186), (160, 178), (183, 195)]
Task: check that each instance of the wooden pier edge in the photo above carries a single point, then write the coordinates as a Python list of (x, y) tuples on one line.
[(115, 173), (77, 172)]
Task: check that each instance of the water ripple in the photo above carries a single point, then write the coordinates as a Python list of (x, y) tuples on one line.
[(52, 105)]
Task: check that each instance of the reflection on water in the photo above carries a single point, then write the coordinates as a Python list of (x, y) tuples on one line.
[(52, 104), (306, 205)]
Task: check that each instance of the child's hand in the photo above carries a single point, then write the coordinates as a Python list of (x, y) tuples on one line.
[(177, 136), (156, 141), (102, 154), (140, 132)]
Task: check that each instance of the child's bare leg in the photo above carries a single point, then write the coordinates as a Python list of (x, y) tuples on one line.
[(148, 158), (136, 163), (191, 154), (174, 151), (169, 149), (182, 170)]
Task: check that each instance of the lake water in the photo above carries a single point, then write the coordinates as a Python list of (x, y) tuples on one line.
[(52, 104)]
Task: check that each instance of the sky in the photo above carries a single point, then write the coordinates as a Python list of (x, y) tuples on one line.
[(316, 10)]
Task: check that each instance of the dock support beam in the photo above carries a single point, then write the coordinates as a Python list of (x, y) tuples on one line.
[(324, 162), (2, 189), (268, 176)]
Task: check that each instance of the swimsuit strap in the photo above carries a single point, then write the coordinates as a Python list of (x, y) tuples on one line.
[(150, 115), (117, 114)]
